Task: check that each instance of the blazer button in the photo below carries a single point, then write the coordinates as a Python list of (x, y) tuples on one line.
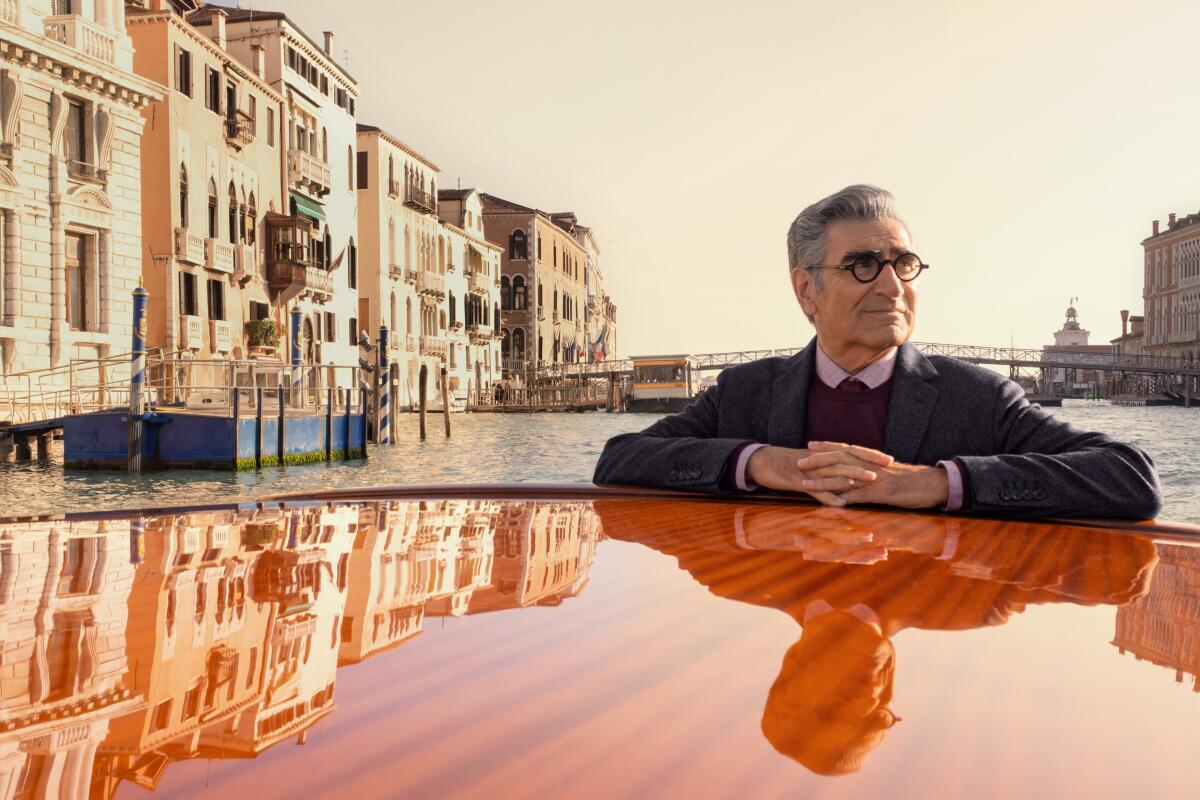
[(1004, 496), (1028, 494)]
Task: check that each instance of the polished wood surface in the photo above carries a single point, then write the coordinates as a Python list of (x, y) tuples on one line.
[(616, 646)]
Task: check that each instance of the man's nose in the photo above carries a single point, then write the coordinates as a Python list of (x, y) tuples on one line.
[(888, 283)]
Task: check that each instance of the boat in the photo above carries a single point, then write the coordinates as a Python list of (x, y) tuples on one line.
[(579, 641), (663, 384)]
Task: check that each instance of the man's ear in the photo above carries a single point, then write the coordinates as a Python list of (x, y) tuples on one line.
[(802, 285)]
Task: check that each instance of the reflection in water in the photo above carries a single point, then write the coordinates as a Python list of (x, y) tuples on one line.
[(1163, 627), (854, 579), (128, 645)]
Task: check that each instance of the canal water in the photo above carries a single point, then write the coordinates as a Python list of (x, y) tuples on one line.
[(509, 448)]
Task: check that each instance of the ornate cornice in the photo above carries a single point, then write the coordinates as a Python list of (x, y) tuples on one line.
[(62, 64)]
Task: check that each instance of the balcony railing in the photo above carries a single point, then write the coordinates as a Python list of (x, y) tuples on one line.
[(431, 283), (307, 170), (555, 317), (219, 255), (410, 275), (410, 343), (189, 247), (420, 200), (245, 261), (10, 12), (191, 332), (396, 272), (393, 188), (221, 335), (478, 284), (239, 128), (318, 280), (86, 172), (433, 346), (85, 36)]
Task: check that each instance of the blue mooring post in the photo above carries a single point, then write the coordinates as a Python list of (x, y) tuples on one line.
[(383, 429), (137, 378), (297, 373)]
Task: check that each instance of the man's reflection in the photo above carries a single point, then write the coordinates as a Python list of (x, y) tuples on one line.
[(853, 579)]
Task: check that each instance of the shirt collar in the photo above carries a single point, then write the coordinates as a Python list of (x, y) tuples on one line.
[(875, 374)]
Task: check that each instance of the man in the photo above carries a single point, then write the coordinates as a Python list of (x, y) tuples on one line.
[(860, 416)]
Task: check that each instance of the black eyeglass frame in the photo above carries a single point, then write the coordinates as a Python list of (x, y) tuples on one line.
[(865, 260)]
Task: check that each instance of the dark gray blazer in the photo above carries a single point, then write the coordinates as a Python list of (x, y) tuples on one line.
[(1020, 460)]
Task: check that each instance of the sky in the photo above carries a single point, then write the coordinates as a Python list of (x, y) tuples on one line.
[(1029, 145)]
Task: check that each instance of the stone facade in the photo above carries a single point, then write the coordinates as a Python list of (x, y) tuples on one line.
[(1172, 288), (70, 183)]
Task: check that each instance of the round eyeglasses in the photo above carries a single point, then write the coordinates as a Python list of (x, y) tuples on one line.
[(865, 267)]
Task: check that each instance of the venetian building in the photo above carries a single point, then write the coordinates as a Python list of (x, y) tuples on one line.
[(63, 664), (542, 295), (311, 256), (1072, 340), (472, 296), (211, 155), (70, 181), (1172, 288), (196, 640), (404, 276), (1163, 627)]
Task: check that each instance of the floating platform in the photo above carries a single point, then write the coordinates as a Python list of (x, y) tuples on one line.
[(184, 439), (1044, 400), (1147, 400)]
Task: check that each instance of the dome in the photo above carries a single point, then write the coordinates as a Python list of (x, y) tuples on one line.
[(1071, 313)]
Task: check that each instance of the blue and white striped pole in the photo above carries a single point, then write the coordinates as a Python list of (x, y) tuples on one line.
[(384, 429), (297, 373), (137, 378)]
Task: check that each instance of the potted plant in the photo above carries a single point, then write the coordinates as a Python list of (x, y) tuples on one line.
[(262, 334)]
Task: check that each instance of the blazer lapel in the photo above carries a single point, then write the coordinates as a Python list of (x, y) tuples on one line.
[(912, 404), (789, 399)]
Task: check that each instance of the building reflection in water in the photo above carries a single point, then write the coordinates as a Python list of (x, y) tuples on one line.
[(1163, 627), (128, 645), (854, 579)]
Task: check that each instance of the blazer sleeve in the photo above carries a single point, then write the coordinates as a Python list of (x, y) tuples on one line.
[(1046, 467), (683, 451)]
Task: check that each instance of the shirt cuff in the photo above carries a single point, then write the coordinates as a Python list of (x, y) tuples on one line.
[(741, 480), (955, 501)]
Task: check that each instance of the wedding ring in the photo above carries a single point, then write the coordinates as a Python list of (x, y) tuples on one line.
[(852, 482)]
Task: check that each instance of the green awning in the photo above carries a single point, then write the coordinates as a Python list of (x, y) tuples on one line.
[(309, 208)]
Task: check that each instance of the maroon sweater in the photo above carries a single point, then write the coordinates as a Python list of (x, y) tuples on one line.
[(851, 417)]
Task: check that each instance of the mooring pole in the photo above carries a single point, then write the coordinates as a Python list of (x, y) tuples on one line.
[(258, 427), (297, 373), (421, 398), (445, 403), (137, 378), (383, 427)]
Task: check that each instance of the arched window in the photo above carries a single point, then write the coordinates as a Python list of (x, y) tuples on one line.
[(554, 308), (541, 302), (242, 219), (441, 321), (392, 240), (352, 273), (407, 248), (252, 221), (212, 209), (350, 167), (518, 344), (506, 344), (453, 309), (518, 247), (519, 301), (441, 255), (408, 316), (183, 196), (233, 223), (392, 317), (496, 315), (391, 172), (325, 145), (505, 293)]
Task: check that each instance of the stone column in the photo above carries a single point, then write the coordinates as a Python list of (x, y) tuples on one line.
[(58, 263), (12, 259)]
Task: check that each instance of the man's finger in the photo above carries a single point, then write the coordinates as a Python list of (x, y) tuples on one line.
[(841, 471), (864, 453), (829, 484), (833, 457), (828, 498)]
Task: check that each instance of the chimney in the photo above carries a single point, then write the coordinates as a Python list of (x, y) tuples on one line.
[(1154, 228), (329, 43), (1171, 220), (218, 28), (260, 59), (1124, 322)]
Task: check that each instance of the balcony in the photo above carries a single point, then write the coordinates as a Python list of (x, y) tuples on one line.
[(80, 171), (191, 332), (189, 247), (556, 318), (318, 281), (410, 276), (433, 346), (85, 36), (480, 334), (245, 262), (306, 171), (393, 188), (221, 335), (10, 12), (478, 284), (410, 343), (541, 313), (420, 200), (431, 283), (396, 272), (239, 129), (219, 255)]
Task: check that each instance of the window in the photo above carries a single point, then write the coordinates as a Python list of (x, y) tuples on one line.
[(350, 167), (452, 309), (62, 7), (191, 702), (353, 330), (539, 255), (291, 57), (506, 293), (183, 196), (252, 221), (541, 302), (330, 327), (233, 223), (216, 299), (259, 310), (252, 111), (161, 717), (270, 126), (76, 133), (352, 266), (187, 294), (519, 301), (183, 71), (517, 246), (212, 90), (80, 262), (325, 85), (212, 209), (363, 176)]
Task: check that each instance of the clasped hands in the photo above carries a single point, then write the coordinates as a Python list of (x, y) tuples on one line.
[(840, 474)]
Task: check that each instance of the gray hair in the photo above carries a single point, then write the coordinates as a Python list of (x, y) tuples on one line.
[(806, 238)]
